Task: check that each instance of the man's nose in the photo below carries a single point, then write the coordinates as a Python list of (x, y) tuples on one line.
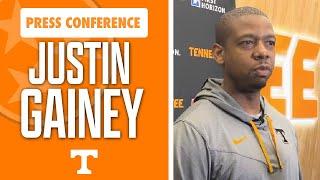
[(260, 52)]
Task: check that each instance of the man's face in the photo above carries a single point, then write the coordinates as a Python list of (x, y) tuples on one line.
[(249, 52)]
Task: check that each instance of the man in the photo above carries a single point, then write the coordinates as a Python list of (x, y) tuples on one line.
[(231, 132)]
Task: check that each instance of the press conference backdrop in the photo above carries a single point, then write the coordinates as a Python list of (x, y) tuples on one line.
[(193, 39), (294, 85)]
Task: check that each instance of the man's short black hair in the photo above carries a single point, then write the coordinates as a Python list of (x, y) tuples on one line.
[(222, 29)]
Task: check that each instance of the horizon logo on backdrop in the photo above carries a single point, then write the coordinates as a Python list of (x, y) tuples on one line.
[(292, 87), (195, 3), (210, 5)]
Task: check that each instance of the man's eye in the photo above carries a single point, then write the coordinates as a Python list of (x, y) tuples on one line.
[(247, 43), (271, 43)]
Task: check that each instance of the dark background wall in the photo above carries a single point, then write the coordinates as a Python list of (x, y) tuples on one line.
[(194, 22)]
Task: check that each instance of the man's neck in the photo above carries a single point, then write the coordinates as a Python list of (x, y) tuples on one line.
[(249, 101)]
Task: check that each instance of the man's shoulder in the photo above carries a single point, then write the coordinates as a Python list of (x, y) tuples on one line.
[(201, 115), (202, 118), (202, 109)]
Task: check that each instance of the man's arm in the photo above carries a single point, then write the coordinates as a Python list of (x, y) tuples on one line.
[(191, 155)]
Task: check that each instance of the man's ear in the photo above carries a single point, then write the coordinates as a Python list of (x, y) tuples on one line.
[(218, 53)]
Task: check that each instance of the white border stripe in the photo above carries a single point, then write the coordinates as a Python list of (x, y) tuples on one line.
[(287, 75), (170, 105)]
